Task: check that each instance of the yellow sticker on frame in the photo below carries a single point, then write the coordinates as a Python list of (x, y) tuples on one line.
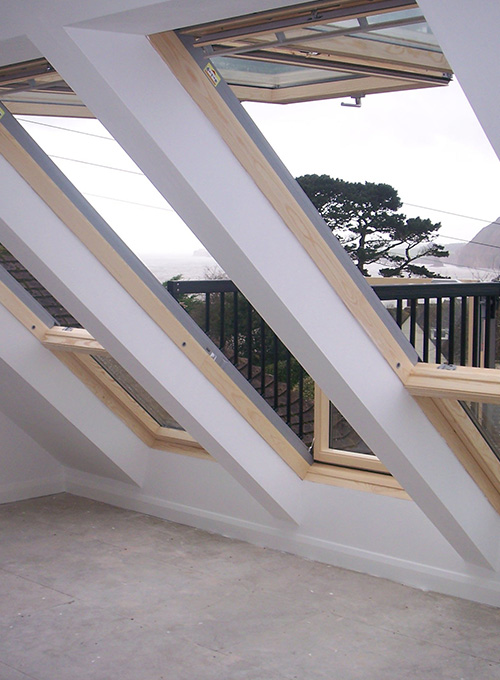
[(212, 74), (2, 112)]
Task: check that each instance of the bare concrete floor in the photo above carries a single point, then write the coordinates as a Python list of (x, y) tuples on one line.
[(92, 591)]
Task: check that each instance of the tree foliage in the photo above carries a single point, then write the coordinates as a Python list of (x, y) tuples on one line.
[(366, 220)]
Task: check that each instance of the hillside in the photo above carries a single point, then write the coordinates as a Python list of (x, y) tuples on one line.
[(483, 252)]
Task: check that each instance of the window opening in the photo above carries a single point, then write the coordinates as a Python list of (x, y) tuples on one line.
[(486, 417), (342, 436), (138, 393), (332, 51), (113, 255), (247, 341), (36, 290), (64, 318)]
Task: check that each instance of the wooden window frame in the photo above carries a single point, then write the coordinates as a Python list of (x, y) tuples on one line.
[(64, 208), (73, 347), (346, 468)]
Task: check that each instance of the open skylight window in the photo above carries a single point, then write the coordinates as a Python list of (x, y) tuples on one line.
[(35, 87), (323, 50), (312, 51), (97, 236), (67, 325)]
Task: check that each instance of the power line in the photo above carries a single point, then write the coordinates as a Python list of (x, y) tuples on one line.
[(65, 129), (157, 207), (145, 205), (122, 200), (99, 165), (136, 172), (474, 243), (446, 212), (110, 139)]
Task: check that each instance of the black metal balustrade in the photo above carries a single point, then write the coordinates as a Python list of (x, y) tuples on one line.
[(447, 322), (249, 343)]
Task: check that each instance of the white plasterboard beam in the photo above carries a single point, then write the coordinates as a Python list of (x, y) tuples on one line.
[(468, 35), (99, 302), (177, 13), (129, 16), (46, 400), (17, 49), (150, 114)]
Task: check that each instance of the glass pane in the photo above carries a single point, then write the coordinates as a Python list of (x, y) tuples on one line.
[(132, 387), (417, 35), (343, 437), (271, 75), (398, 15), (486, 417), (18, 272)]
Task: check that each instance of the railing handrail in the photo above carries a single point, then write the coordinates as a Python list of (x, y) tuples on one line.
[(445, 321), (203, 286), (393, 291), (233, 324), (466, 312), (413, 291)]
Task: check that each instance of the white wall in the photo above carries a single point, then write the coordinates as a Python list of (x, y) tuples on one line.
[(375, 534), (26, 469)]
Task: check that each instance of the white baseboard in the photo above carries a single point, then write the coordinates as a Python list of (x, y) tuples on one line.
[(19, 491), (479, 585)]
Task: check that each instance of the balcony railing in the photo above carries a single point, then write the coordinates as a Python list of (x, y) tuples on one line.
[(446, 322), (231, 322)]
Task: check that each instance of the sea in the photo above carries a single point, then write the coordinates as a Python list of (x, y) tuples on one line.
[(201, 266), (193, 267)]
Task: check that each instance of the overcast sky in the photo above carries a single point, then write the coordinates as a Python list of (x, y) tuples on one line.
[(426, 143)]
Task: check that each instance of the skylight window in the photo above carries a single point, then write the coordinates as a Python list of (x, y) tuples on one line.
[(333, 50)]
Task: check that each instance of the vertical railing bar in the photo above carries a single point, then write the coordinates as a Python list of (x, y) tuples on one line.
[(471, 330), (301, 401), (451, 331), (236, 330), (288, 387), (399, 312), (476, 329), (207, 313), (275, 370), (413, 321), (262, 357), (249, 343), (463, 332), (426, 331), (222, 320), (494, 310), (493, 332), (487, 331), (439, 327)]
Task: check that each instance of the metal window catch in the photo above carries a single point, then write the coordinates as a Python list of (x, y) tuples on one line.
[(357, 102)]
